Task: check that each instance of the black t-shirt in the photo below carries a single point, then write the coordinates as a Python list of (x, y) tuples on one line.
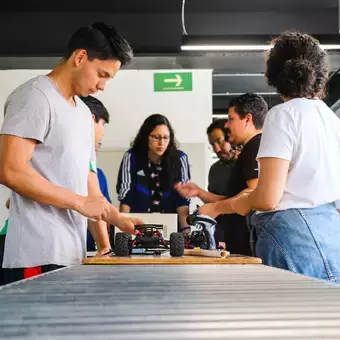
[(246, 167), (235, 226), (219, 176)]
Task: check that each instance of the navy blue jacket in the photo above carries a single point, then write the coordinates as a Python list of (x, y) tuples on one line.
[(133, 185)]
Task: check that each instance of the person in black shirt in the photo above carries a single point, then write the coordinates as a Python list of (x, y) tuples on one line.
[(220, 172), (246, 116)]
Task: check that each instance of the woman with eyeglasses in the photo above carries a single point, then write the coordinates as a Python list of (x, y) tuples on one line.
[(149, 171)]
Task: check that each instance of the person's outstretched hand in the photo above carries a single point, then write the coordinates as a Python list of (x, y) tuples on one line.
[(188, 189)]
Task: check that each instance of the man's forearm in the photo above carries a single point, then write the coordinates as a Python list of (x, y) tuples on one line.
[(100, 234), (29, 183), (209, 197), (223, 207)]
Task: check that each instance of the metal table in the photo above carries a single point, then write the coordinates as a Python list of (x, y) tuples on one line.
[(170, 302)]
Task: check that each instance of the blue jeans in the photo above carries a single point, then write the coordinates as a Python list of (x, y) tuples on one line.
[(304, 241)]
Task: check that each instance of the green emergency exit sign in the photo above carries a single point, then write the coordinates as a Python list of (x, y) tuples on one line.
[(165, 82)]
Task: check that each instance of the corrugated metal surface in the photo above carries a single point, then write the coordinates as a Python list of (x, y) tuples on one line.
[(170, 302)]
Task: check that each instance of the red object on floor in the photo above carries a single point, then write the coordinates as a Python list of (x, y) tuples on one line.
[(30, 272)]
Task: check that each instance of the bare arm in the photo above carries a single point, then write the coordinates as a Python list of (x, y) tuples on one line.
[(267, 195), (273, 178), (209, 197), (19, 176), (193, 190), (225, 206)]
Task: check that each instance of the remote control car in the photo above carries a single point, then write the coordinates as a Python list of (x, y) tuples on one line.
[(202, 232), (149, 239)]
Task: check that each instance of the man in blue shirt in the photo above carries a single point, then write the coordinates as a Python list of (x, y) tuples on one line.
[(100, 117)]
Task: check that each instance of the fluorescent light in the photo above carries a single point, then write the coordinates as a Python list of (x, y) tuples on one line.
[(225, 47), (330, 47), (233, 94), (241, 47)]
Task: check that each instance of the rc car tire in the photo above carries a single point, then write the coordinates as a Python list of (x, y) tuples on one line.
[(176, 244), (122, 241)]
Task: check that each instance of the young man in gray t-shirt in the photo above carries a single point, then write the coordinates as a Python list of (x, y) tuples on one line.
[(46, 146)]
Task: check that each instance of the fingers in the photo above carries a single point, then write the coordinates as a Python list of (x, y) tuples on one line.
[(106, 210), (131, 228), (136, 220), (96, 218), (178, 185)]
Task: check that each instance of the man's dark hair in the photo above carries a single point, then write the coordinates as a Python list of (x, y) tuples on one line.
[(101, 42), (253, 104), (297, 66), (218, 124), (97, 108)]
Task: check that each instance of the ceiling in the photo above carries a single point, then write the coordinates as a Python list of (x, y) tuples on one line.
[(38, 31)]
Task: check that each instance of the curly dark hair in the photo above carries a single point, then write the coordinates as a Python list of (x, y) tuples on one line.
[(297, 66), (170, 158), (251, 103)]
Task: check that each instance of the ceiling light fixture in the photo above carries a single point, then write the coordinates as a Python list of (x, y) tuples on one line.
[(246, 43)]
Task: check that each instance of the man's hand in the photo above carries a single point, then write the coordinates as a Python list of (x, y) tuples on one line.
[(188, 189), (127, 224), (94, 207)]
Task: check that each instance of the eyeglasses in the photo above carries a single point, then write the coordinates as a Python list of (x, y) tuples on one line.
[(158, 138)]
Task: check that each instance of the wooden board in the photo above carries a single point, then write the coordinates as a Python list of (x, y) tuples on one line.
[(163, 259)]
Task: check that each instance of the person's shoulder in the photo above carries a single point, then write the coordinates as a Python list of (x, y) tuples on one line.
[(251, 149), (293, 107), (221, 166), (181, 154), (129, 159), (215, 166), (129, 153), (254, 142), (30, 89), (100, 172)]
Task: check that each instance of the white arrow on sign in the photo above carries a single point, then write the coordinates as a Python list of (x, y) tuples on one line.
[(177, 80)]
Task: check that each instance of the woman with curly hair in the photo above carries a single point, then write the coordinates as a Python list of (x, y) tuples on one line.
[(296, 219), (150, 169)]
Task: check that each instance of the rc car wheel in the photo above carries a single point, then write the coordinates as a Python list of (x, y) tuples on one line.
[(176, 244), (122, 244)]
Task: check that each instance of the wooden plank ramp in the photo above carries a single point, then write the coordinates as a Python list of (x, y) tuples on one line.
[(166, 259)]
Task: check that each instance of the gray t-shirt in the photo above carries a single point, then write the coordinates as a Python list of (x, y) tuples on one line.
[(40, 234)]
